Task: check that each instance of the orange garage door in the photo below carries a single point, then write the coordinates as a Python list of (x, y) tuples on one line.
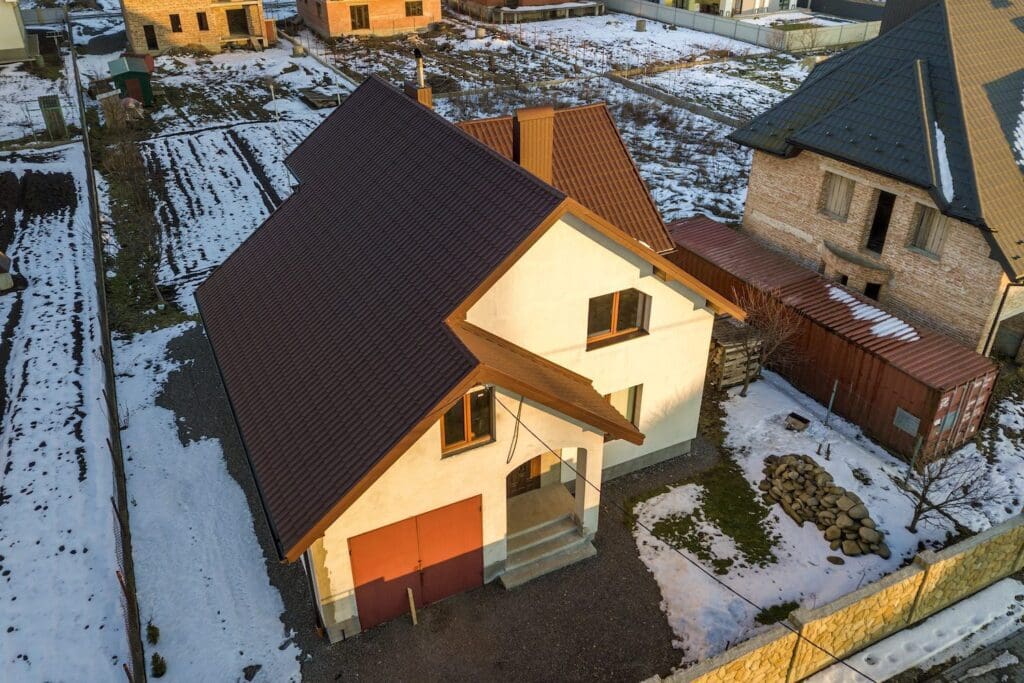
[(437, 554)]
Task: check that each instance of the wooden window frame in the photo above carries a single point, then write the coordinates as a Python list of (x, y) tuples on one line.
[(614, 335), (827, 190), (941, 227), (352, 10), (467, 444)]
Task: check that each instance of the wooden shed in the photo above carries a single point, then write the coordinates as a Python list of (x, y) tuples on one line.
[(131, 75), (908, 387)]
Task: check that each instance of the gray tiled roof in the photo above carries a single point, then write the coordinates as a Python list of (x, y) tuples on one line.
[(890, 104)]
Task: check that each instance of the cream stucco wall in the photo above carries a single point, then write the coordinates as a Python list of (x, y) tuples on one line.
[(541, 304), (12, 34)]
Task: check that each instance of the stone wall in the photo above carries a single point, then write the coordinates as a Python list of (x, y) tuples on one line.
[(845, 626), (955, 291)]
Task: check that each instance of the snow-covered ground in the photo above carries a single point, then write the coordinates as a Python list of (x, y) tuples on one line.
[(200, 572), (958, 631), (61, 614), (20, 90), (705, 617), (795, 18), (730, 95), (612, 41)]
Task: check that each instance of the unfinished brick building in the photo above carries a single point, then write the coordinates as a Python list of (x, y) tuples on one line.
[(893, 170), (155, 27), (334, 18)]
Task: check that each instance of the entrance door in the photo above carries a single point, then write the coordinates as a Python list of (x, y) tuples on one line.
[(436, 554), (150, 32), (134, 88), (238, 23), (524, 478)]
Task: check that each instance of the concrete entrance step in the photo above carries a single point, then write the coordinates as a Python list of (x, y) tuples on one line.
[(540, 533), (570, 550)]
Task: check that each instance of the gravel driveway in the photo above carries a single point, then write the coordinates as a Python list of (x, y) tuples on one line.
[(596, 620)]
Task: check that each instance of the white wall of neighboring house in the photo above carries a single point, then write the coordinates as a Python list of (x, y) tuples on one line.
[(12, 33), (541, 304)]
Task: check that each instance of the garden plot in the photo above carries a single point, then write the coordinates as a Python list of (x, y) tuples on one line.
[(685, 159), (611, 42), (765, 555), (725, 87), (62, 603), (21, 85), (212, 189), (200, 570), (202, 92)]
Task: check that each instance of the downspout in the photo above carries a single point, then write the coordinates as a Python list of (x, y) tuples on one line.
[(995, 322)]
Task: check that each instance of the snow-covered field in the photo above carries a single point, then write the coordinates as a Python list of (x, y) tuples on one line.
[(61, 598), (705, 617), (20, 90), (199, 568), (795, 18), (958, 631)]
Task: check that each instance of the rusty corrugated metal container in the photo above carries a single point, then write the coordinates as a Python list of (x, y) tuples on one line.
[(897, 381)]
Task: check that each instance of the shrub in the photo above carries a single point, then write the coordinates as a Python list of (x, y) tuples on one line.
[(152, 633), (157, 666)]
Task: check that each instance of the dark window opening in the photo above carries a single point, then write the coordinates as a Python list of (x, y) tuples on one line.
[(843, 279), (360, 15), (204, 25), (150, 32), (880, 223), (617, 316), (414, 9), (470, 422), (873, 290), (175, 23), (238, 22)]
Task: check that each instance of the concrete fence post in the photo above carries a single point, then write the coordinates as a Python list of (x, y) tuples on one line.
[(924, 559)]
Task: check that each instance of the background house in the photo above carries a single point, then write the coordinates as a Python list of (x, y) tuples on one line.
[(15, 44), (334, 18), (449, 338), (153, 27), (893, 169)]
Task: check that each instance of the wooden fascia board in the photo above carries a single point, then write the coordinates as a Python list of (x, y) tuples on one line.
[(718, 302), (506, 381), (471, 379)]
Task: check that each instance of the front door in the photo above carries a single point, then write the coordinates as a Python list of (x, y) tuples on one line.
[(238, 24), (524, 478)]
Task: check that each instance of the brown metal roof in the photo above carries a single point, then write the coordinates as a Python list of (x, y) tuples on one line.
[(328, 322), (550, 384), (930, 358), (593, 166)]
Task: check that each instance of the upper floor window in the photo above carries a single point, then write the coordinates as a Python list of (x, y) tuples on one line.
[(414, 8), (880, 222), (204, 25), (176, 23), (930, 230), (837, 194), (617, 316), (360, 16), (470, 422), (627, 402)]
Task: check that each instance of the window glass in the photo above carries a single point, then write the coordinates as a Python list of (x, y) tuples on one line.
[(454, 425), (600, 319), (629, 310), (480, 414), (931, 228)]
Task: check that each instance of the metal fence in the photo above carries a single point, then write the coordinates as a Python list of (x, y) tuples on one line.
[(799, 40)]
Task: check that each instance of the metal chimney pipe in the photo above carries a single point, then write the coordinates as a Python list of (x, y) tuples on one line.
[(420, 80)]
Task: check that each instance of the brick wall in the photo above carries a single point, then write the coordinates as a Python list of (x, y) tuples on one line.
[(141, 13), (956, 292), (845, 626), (333, 18)]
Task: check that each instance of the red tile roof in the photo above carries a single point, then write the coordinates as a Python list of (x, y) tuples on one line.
[(593, 166)]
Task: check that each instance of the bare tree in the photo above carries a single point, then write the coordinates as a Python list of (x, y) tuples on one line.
[(945, 485), (769, 335)]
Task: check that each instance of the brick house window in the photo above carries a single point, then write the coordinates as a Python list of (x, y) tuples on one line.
[(150, 32), (880, 222), (360, 15), (204, 24), (414, 9), (873, 290), (836, 196), (627, 402), (176, 23), (930, 230), (617, 317)]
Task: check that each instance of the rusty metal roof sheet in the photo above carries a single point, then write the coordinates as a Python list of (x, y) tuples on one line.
[(593, 166)]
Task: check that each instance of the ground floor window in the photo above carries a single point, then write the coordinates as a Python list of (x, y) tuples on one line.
[(873, 290), (627, 402), (150, 32)]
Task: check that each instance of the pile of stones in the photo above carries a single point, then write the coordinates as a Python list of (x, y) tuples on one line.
[(807, 494)]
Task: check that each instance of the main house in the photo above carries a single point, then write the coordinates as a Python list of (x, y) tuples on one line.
[(438, 330), (897, 168), (335, 18), (153, 27)]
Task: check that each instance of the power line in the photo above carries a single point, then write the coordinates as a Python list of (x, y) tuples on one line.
[(679, 552)]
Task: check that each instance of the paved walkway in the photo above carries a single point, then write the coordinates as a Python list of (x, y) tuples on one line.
[(995, 664), (596, 620)]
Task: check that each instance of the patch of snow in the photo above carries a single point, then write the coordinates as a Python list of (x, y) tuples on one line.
[(945, 175), (1018, 134), (199, 568), (62, 602), (957, 631), (886, 324), (1002, 660), (794, 18)]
